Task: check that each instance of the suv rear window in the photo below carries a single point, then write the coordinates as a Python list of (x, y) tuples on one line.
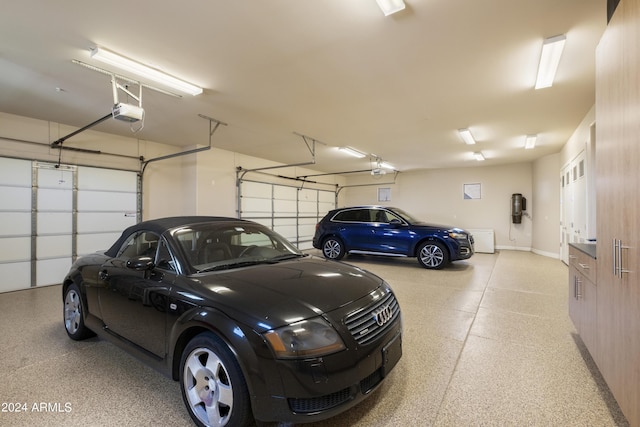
[(353, 215)]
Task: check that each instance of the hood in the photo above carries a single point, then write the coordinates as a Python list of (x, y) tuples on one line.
[(267, 296)]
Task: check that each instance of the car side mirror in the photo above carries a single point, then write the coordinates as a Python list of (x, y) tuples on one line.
[(141, 263), (396, 222)]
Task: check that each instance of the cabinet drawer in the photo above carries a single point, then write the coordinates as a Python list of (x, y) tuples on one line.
[(583, 263)]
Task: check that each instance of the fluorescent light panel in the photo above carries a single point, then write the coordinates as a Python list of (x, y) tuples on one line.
[(478, 156), (466, 136), (386, 165), (390, 6), (352, 152), (530, 142), (549, 60), (142, 70)]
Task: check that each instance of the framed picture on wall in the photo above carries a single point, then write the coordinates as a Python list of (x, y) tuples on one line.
[(384, 194), (472, 191)]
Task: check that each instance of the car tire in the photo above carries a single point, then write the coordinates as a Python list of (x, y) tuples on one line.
[(433, 255), (73, 313), (333, 248), (212, 385)]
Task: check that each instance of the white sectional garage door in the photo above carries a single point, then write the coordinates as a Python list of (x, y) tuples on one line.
[(290, 211), (15, 224), (53, 191), (50, 215), (107, 204)]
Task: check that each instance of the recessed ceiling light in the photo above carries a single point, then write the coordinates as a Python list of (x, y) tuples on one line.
[(478, 156), (389, 7), (530, 142), (466, 136), (549, 60)]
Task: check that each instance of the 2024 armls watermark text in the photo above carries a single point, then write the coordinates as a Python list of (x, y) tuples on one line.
[(40, 407)]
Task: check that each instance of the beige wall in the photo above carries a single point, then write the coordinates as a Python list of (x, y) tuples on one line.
[(545, 213), (436, 195)]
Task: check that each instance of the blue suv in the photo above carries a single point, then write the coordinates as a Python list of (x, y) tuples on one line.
[(378, 230)]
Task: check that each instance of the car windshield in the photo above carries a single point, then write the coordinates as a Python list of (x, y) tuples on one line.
[(221, 246), (408, 217)]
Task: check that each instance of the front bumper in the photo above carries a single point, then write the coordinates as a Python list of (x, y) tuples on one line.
[(317, 394), (315, 389)]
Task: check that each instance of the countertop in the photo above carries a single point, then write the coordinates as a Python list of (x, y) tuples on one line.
[(587, 248)]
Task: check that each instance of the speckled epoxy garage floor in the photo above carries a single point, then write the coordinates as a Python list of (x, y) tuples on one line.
[(486, 342)]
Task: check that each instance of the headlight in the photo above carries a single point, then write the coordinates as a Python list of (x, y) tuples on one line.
[(457, 236), (309, 338)]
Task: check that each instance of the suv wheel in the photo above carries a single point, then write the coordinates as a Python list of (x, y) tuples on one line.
[(333, 248), (433, 254)]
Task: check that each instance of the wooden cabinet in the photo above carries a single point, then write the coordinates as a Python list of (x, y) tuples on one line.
[(583, 295), (617, 206)]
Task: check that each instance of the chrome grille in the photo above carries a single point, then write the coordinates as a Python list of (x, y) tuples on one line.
[(363, 325)]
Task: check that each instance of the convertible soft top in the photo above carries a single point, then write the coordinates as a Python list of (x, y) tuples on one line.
[(160, 225)]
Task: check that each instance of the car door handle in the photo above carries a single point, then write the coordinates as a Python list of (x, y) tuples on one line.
[(103, 275)]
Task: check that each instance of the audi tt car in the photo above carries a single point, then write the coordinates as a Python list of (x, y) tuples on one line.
[(378, 230), (252, 328)]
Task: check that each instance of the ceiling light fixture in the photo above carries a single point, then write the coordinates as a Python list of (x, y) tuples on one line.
[(386, 165), (530, 142), (466, 136), (549, 60), (478, 156), (145, 71), (352, 152), (390, 6)]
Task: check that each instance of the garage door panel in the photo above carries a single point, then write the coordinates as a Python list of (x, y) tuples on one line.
[(14, 224), (54, 223), (52, 271), (252, 206), (291, 211), (256, 189), (15, 198), (54, 178), (285, 207), (106, 201), (54, 247), (106, 179), (306, 231), (55, 200), (308, 195), (308, 208), (15, 249), (285, 193), (287, 231), (97, 222), (17, 274), (15, 173)]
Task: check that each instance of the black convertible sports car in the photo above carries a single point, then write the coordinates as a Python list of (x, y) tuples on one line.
[(249, 325)]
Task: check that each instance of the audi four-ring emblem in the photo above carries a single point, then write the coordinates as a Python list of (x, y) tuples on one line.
[(383, 315)]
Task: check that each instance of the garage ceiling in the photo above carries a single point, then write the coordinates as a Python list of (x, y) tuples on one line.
[(338, 71)]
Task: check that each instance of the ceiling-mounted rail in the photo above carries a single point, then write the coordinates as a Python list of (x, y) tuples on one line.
[(58, 142), (395, 175), (213, 126), (311, 146)]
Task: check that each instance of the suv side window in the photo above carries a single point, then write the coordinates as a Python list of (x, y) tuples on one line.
[(353, 215), (383, 216)]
